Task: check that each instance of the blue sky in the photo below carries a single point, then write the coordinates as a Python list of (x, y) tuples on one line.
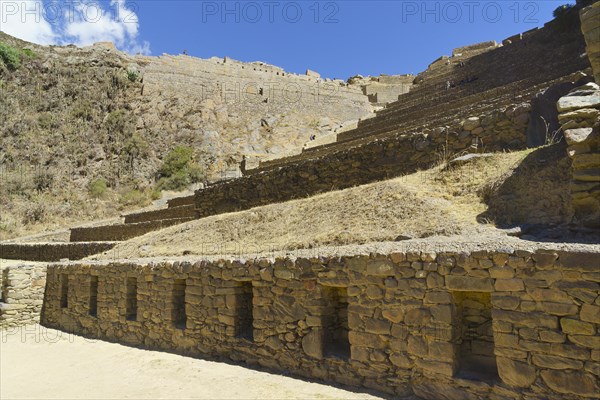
[(336, 38)]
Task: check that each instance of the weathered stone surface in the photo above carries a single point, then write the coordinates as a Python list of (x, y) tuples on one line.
[(576, 383), (576, 327), (554, 362), (590, 313), (312, 344), (509, 285), (569, 103), (515, 373), (465, 283)]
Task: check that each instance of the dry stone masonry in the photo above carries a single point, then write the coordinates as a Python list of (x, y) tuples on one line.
[(256, 83), (580, 111), (590, 26), (502, 324), (21, 294)]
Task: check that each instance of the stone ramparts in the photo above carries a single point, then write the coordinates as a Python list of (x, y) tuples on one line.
[(255, 85), (455, 325)]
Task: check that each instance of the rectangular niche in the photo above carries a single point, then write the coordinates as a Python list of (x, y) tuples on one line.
[(131, 300), (244, 320), (179, 315), (474, 336), (64, 291), (335, 323), (93, 304)]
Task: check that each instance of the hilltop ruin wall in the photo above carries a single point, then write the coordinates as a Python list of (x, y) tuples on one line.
[(254, 85)]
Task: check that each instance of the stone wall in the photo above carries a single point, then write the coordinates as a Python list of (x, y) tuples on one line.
[(375, 160), (502, 324), (590, 26), (51, 251), (385, 88), (185, 211), (580, 120), (118, 232), (253, 86), (22, 294)]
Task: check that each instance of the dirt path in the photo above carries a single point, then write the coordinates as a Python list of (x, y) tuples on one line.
[(39, 363)]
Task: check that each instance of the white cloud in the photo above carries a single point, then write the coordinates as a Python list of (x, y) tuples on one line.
[(77, 22), (24, 19)]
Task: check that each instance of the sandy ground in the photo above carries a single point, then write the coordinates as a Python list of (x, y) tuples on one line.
[(40, 363)]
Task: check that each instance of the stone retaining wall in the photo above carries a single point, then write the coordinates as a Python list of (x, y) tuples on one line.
[(51, 251), (580, 120), (121, 231), (590, 26), (22, 294), (185, 211), (504, 324), (376, 160)]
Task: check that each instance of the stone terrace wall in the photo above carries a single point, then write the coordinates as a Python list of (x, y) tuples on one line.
[(121, 231), (580, 111), (51, 251), (373, 161), (22, 294), (504, 324), (590, 26)]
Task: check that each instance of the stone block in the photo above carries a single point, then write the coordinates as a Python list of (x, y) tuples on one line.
[(571, 383), (590, 313), (509, 285), (466, 283), (576, 327), (515, 373)]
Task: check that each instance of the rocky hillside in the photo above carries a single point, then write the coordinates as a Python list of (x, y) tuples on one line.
[(81, 139)]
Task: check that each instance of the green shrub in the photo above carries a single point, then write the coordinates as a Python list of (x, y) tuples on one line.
[(10, 56), (136, 147), (29, 53), (179, 170), (133, 197), (133, 76), (97, 188), (177, 160)]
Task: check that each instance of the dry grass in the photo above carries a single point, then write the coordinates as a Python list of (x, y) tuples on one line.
[(436, 202)]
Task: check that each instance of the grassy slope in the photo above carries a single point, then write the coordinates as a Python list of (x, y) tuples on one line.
[(69, 116), (436, 202)]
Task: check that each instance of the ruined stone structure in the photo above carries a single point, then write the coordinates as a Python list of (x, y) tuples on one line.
[(21, 294), (475, 324), (384, 89), (590, 26), (255, 84), (439, 323), (580, 121)]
